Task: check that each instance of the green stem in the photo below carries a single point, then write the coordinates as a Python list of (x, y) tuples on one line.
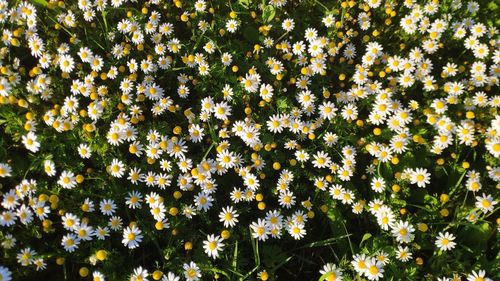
[(208, 151), (281, 37), (491, 213), (197, 42), (62, 26), (420, 207), (458, 183), (103, 13), (348, 238), (321, 4)]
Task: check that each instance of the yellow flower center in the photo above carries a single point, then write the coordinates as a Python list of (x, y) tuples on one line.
[(131, 236)]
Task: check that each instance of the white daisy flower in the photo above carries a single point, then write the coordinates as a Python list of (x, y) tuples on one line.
[(420, 177), (117, 168), (213, 245), (444, 241), (31, 143), (132, 237), (70, 242), (191, 271), (228, 216), (485, 203)]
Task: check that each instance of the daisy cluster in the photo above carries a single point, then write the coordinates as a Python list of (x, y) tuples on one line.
[(184, 134)]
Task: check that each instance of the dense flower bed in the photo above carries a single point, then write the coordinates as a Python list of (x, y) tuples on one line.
[(245, 140)]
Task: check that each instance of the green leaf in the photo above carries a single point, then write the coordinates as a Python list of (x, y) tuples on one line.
[(476, 236), (282, 104), (333, 214), (386, 170), (244, 3), (255, 249), (235, 256), (409, 160), (431, 200), (216, 270), (366, 236), (41, 2), (268, 14), (326, 242), (492, 6)]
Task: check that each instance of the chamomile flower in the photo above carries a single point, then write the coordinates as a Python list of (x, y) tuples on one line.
[(321, 160), (485, 203), (403, 231), (132, 237), (70, 242), (67, 179), (260, 229), (359, 263), (403, 253), (7, 218), (251, 82), (420, 177), (228, 216), (385, 218), (117, 168), (140, 274), (213, 245), (10, 199), (493, 147), (350, 112), (266, 91), (30, 142), (5, 274), (232, 25), (107, 207), (191, 271), (5, 170), (444, 241), (96, 275), (170, 276), (328, 20), (226, 59), (203, 201), (275, 124), (297, 230), (378, 184), (479, 275), (287, 199), (222, 110), (158, 211), (66, 63), (196, 133), (288, 25), (236, 195), (327, 110), (374, 269), (84, 151)]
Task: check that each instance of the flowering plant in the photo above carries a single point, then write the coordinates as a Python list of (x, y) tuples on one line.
[(243, 140)]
